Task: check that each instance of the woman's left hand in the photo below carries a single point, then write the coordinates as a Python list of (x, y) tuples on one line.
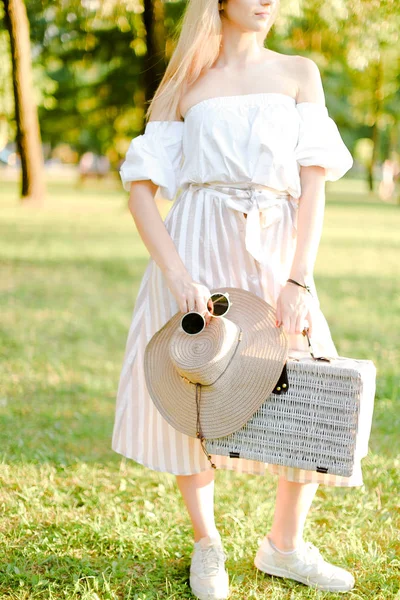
[(293, 309)]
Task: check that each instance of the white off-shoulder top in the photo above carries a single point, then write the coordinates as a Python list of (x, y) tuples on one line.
[(261, 138)]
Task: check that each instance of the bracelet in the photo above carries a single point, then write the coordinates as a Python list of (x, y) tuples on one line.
[(306, 287)]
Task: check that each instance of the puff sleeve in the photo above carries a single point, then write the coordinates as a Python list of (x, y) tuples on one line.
[(155, 155), (320, 142)]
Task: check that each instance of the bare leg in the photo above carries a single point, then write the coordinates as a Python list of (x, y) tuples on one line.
[(293, 501), (198, 494)]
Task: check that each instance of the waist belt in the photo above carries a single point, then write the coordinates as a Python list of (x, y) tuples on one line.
[(261, 204)]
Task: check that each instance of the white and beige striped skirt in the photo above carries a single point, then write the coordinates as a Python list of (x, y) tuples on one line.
[(209, 233)]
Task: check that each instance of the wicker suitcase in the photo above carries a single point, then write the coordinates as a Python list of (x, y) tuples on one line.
[(322, 422)]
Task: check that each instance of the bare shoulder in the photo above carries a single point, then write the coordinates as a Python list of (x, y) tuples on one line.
[(199, 90), (298, 76), (308, 79)]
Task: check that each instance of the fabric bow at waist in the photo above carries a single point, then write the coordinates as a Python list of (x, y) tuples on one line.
[(262, 205)]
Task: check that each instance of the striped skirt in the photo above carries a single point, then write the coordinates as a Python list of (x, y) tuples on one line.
[(209, 233)]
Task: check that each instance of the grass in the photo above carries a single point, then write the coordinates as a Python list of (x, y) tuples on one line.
[(79, 522)]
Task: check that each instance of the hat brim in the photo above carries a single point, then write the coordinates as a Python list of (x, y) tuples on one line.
[(248, 381)]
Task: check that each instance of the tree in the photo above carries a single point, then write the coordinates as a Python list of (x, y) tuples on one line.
[(374, 58), (153, 17), (28, 131)]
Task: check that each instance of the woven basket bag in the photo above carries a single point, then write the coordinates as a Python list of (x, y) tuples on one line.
[(318, 417)]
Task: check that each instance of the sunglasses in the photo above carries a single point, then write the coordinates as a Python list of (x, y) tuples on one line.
[(194, 322)]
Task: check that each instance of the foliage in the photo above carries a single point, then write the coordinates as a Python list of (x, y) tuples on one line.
[(90, 59)]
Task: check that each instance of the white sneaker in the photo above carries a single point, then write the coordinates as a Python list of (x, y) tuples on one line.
[(305, 565), (208, 577)]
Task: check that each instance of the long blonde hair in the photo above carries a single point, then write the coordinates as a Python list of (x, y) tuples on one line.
[(198, 39)]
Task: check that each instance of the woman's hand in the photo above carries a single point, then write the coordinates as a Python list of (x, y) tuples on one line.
[(293, 308), (190, 294)]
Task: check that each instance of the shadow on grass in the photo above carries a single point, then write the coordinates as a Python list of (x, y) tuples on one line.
[(104, 570), (130, 572), (63, 573)]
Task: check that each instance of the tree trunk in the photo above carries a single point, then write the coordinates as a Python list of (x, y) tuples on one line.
[(28, 131), (378, 99), (371, 166), (155, 64)]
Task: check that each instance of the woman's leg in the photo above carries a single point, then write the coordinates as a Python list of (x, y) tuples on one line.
[(198, 494), (293, 501)]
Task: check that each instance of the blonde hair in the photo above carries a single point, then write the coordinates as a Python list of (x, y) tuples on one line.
[(197, 48)]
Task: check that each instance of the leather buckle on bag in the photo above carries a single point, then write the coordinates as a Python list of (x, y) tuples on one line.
[(282, 385)]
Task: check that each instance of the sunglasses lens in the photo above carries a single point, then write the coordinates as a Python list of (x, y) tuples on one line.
[(220, 304), (192, 323)]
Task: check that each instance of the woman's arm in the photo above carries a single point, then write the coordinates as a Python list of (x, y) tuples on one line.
[(152, 229), (189, 294), (312, 202), (309, 223), (293, 305)]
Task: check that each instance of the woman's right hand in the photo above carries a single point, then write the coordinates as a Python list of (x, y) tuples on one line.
[(190, 294)]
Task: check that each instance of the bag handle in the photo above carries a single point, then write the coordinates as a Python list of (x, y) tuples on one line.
[(306, 329), (310, 348), (282, 385)]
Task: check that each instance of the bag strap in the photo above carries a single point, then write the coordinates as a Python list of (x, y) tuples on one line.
[(310, 348)]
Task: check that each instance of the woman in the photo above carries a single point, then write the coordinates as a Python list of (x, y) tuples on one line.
[(231, 117)]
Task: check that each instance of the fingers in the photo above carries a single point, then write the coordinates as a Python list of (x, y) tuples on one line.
[(292, 318), (187, 301), (278, 315), (309, 324), (286, 323), (208, 303), (294, 325), (182, 303), (197, 298), (190, 301), (300, 324)]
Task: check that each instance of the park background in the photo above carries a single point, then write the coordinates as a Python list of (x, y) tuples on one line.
[(76, 520)]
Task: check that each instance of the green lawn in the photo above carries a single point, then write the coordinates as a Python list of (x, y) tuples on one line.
[(79, 522)]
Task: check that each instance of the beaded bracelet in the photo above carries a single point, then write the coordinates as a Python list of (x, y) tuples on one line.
[(306, 287)]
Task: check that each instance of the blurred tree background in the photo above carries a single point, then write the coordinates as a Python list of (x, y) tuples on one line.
[(97, 63), (77, 520)]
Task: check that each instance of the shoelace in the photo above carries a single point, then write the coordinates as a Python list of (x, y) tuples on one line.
[(310, 553), (211, 558), (314, 555)]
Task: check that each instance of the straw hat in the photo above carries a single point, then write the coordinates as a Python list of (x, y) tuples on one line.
[(214, 382)]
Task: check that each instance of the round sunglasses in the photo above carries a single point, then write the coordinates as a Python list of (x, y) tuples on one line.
[(194, 322)]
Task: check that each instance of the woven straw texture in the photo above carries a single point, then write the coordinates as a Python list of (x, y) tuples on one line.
[(232, 391), (315, 425)]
